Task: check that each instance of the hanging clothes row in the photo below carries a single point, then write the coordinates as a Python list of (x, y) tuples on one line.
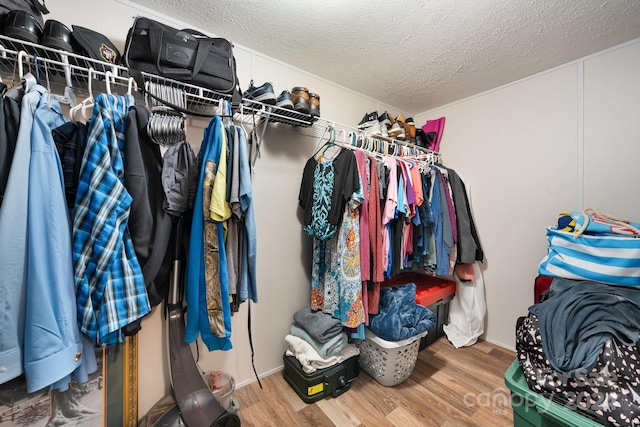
[(87, 213), (374, 213), (83, 235)]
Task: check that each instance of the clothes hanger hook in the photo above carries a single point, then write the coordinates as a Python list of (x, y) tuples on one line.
[(89, 81), (132, 84), (107, 79), (21, 55)]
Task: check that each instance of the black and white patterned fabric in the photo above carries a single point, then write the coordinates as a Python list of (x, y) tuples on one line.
[(609, 393)]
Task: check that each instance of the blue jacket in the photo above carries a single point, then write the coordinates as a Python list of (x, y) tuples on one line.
[(39, 326), (13, 245), (248, 286), (52, 345), (195, 287)]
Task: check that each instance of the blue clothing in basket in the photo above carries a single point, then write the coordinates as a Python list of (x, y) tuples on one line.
[(400, 317)]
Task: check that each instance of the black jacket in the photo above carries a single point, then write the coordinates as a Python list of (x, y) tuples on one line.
[(150, 226), (9, 124), (71, 140)]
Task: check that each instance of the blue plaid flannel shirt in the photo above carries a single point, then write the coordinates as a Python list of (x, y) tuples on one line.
[(110, 289)]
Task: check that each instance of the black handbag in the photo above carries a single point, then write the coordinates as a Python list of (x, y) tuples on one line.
[(184, 55)]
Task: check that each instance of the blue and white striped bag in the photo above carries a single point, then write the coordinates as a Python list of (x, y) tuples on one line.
[(608, 258)]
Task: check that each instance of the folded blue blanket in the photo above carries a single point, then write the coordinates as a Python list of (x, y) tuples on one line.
[(399, 316), (326, 349)]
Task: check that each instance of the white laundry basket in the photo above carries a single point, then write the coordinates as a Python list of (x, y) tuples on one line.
[(389, 362)]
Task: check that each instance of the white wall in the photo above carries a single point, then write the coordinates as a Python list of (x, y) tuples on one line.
[(283, 248), (612, 132), (529, 152)]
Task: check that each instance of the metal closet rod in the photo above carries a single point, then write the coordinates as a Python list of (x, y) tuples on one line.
[(329, 126)]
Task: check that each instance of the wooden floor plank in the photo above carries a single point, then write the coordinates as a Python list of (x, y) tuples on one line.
[(375, 417), (258, 415), (313, 416), (400, 417), (288, 394), (340, 414), (449, 387)]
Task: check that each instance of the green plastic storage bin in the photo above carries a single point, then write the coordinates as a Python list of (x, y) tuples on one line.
[(532, 409)]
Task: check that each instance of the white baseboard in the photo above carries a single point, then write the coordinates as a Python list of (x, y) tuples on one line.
[(264, 374), (499, 344)]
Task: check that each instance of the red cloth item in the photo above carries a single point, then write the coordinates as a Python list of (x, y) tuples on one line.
[(365, 244), (437, 127), (541, 287), (373, 293), (429, 289), (465, 272), (375, 238)]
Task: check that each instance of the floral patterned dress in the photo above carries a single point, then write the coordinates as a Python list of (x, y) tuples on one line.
[(336, 287)]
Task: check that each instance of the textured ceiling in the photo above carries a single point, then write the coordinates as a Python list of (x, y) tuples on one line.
[(415, 55)]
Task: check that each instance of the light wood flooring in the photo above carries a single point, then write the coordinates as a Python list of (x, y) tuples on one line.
[(449, 387)]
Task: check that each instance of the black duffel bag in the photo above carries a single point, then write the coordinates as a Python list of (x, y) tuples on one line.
[(184, 55)]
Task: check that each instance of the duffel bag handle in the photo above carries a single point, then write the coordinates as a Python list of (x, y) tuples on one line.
[(156, 35), (194, 32)]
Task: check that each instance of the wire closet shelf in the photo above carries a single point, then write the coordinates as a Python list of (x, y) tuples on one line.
[(57, 67)]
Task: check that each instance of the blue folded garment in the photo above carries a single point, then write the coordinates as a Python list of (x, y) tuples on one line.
[(399, 316), (319, 325), (326, 349)]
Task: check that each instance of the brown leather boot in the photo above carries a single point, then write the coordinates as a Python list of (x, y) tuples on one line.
[(300, 99), (314, 104), (410, 129)]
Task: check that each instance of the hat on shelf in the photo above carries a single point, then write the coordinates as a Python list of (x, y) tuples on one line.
[(57, 35), (22, 25), (95, 45)]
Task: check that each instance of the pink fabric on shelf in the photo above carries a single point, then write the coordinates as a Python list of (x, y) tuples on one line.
[(437, 127)]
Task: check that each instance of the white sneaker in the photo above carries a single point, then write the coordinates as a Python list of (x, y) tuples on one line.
[(374, 129), (384, 129)]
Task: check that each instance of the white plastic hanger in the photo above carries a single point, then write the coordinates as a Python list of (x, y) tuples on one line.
[(83, 110), (108, 77), (28, 80), (132, 85)]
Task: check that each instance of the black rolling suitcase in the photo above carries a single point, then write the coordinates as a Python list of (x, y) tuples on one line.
[(331, 381)]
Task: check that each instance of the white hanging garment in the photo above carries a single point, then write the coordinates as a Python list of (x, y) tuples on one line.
[(467, 311)]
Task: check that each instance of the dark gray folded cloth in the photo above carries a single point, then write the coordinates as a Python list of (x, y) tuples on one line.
[(320, 326)]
